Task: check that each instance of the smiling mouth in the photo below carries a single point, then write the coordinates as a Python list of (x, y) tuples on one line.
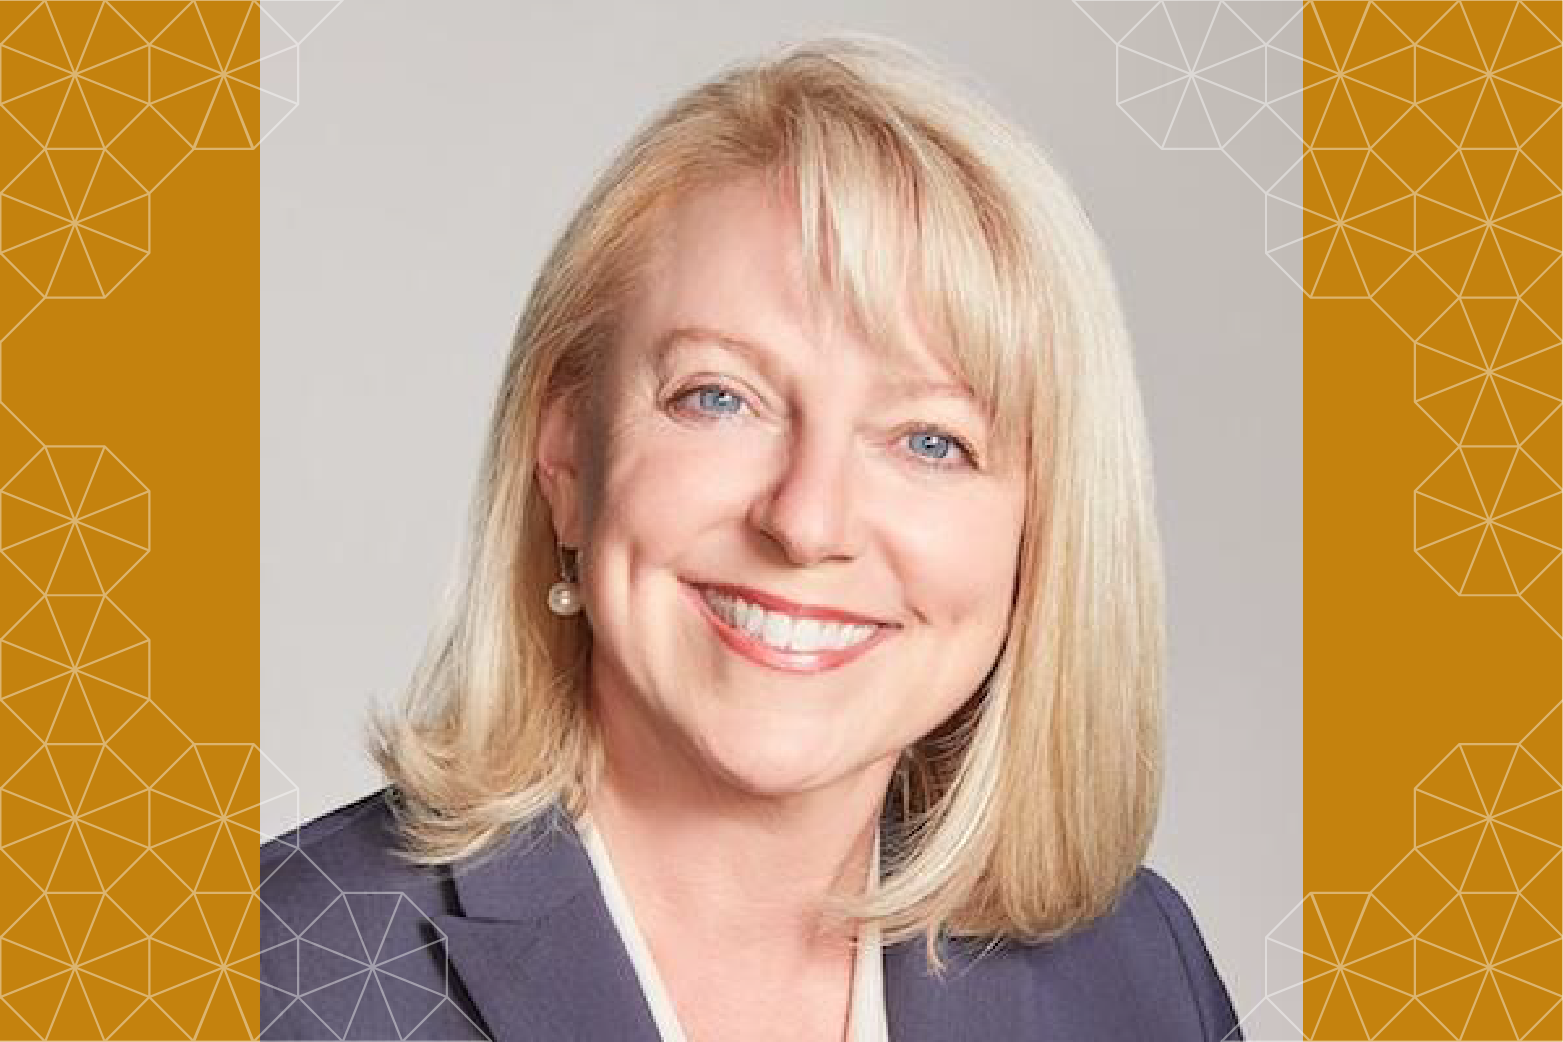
[(782, 641)]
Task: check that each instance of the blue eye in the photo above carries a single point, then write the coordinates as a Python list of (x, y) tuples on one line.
[(932, 444), (936, 447), (717, 400), (709, 401)]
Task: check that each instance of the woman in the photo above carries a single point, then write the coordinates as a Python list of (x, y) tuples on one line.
[(804, 682)]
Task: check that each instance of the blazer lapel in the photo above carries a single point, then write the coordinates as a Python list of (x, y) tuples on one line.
[(535, 947), (540, 957)]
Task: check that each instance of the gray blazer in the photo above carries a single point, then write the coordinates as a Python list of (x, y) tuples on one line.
[(519, 945)]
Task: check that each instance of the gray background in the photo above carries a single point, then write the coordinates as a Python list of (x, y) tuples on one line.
[(407, 204)]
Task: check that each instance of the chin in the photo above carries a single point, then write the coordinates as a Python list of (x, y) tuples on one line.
[(771, 765)]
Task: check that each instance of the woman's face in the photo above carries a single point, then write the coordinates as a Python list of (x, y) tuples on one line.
[(798, 553)]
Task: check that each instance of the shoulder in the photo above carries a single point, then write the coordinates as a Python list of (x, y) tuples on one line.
[(1204, 982), (1173, 910), (338, 907), (1149, 955), (352, 848)]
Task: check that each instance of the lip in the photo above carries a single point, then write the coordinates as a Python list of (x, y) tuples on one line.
[(787, 661)]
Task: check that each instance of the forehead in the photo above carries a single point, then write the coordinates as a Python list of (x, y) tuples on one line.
[(726, 269)]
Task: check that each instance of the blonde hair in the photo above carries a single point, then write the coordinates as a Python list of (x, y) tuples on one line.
[(1026, 813)]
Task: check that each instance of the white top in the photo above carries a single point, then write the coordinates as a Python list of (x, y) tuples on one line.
[(866, 1014)]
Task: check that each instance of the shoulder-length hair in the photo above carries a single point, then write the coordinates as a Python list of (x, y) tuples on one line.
[(1025, 814)]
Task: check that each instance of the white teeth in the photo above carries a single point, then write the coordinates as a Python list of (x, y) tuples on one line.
[(778, 629), (784, 632), (856, 634), (806, 634), (751, 617), (848, 634)]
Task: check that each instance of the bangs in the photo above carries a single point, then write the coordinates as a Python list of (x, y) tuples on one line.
[(898, 225), (901, 219)]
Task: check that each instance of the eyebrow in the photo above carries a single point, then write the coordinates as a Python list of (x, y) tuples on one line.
[(764, 359)]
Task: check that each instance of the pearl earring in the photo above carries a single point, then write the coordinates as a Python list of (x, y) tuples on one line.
[(564, 596)]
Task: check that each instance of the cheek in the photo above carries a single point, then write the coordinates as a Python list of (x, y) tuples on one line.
[(959, 556), (665, 480)]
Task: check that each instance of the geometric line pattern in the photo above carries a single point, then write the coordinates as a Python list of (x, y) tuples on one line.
[(74, 520), (101, 102), (129, 852), (137, 853), (1408, 155), (143, 905), (357, 961), (1461, 939)]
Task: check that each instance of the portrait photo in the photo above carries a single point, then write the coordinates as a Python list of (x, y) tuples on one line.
[(764, 372), (869, 522)]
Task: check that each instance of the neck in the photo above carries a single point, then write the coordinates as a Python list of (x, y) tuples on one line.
[(713, 862)]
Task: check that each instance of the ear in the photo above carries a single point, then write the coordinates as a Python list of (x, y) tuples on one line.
[(559, 467)]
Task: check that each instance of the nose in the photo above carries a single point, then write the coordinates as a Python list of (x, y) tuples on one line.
[(811, 508)]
